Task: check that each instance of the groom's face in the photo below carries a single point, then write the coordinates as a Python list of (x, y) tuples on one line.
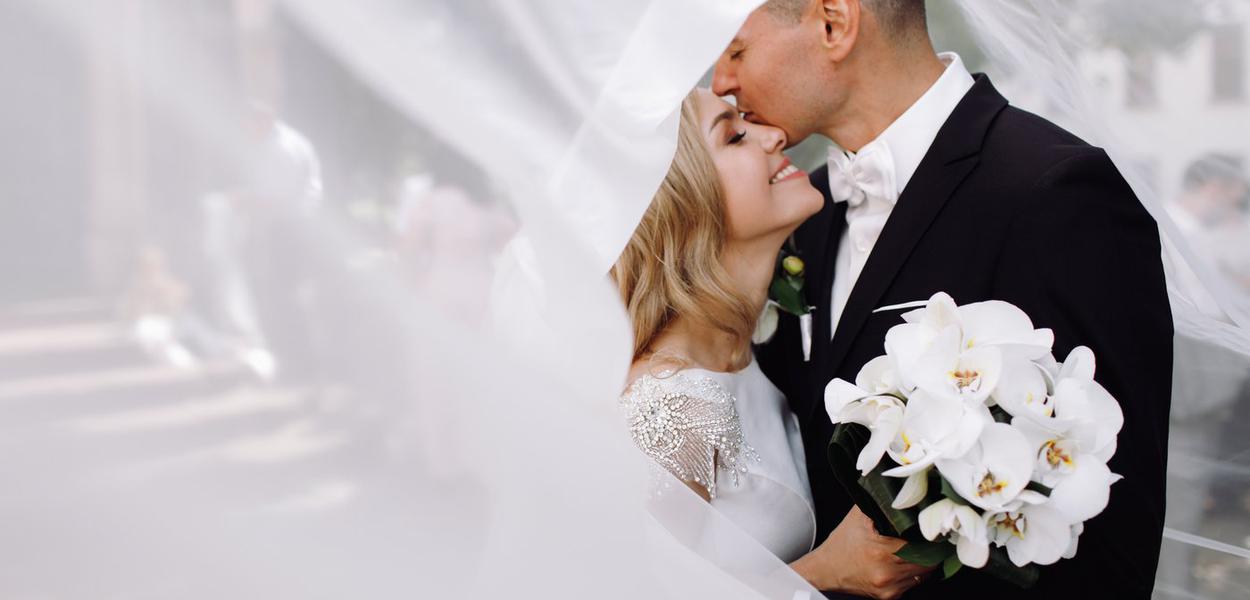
[(773, 69)]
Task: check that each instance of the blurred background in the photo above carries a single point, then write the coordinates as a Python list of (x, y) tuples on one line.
[(164, 276)]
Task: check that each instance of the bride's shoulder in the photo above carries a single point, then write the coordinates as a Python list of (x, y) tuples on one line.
[(683, 391), (687, 423), (650, 383)]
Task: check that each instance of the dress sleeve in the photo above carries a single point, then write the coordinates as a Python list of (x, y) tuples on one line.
[(689, 426)]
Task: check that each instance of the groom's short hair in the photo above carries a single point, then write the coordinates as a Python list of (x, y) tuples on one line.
[(897, 17)]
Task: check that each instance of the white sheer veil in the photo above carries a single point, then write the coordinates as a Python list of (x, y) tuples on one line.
[(306, 298), (1160, 86), (344, 328)]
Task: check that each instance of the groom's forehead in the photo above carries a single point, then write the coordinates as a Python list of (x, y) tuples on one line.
[(755, 28)]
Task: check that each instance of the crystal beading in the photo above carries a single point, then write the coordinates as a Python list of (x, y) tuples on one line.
[(689, 426)]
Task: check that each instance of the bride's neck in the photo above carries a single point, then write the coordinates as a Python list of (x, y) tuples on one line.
[(750, 269), (690, 341), (750, 266)]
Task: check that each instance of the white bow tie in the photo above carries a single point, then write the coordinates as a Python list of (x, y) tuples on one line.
[(867, 174)]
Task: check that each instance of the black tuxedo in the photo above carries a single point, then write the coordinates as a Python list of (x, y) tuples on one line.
[(1007, 206)]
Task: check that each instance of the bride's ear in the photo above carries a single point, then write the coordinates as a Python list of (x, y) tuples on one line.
[(839, 21)]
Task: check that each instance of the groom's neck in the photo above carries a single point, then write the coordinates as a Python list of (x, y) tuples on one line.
[(882, 88)]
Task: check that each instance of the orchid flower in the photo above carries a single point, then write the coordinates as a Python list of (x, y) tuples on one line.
[(906, 343), (980, 325), (1077, 530), (877, 376), (1004, 326), (1024, 391), (962, 526), (1035, 533), (1080, 481), (1071, 449), (914, 489), (993, 473), (934, 427), (1076, 407), (1094, 416), (881, 414), (947, 369), (1082, 489)]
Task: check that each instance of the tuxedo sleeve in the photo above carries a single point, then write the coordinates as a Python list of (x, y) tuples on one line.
[(1082, 257)]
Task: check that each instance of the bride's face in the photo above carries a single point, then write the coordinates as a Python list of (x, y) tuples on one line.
[(764, 194)]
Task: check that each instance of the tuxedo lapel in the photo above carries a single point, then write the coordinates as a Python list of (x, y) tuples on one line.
[(953, 154), (827, 229)]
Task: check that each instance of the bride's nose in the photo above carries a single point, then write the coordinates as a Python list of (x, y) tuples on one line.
[(772, 139)]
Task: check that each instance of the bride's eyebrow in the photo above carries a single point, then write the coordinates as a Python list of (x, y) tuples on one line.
[(729, 114)]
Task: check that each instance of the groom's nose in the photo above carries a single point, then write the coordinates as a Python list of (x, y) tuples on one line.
[(724, 81)]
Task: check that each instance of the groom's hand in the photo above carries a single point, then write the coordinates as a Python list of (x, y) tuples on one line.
[(856, 559)]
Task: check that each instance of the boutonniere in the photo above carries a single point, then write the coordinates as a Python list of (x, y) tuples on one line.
[(786, 293)]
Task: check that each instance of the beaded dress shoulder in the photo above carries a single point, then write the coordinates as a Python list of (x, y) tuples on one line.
[(689, 425)]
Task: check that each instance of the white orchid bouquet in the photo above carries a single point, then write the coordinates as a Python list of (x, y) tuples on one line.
[(971, 441)]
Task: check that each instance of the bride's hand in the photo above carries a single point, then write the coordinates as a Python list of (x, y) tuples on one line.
[(857, 560)]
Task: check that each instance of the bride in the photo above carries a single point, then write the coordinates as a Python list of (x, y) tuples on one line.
[(694, 277)]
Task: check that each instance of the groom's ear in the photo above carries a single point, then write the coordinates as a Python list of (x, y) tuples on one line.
[(839, 20)]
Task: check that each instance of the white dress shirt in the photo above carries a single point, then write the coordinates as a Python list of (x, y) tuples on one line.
[(897, 153)]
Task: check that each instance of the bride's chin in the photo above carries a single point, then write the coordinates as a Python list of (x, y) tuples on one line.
[(813, 201), (800, 193)]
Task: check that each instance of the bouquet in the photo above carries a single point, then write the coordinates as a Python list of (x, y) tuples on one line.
[(969, 440)]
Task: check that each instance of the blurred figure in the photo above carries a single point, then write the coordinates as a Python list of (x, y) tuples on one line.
[(258, 242), (1208, 413), (1214, 194), (281, 172), (1211, 211), (448, 242), (156, 306), (231, 303)]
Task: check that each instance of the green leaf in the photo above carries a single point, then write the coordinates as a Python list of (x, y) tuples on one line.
[(844, 447), (795, 282), (926, 553), (872, 493), (1000, 415), (883, 491), (787, 297), (999, 565), (950, 566), (1039, 488), (950, 492)]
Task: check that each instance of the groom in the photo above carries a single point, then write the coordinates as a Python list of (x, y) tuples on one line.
[(936, 184)]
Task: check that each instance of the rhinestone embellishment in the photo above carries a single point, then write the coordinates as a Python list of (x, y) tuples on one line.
[(688, 426)]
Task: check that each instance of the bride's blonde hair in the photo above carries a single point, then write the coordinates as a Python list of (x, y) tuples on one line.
[(671, 266)]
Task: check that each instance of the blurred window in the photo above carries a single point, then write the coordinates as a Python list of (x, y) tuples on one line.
[(1147, 170), (1229, 62), (1142, 91)]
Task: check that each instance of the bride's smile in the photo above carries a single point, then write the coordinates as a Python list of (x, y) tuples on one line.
[(765, 195), (787, 172)]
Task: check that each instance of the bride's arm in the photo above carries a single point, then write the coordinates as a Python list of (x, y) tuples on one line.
[(856, 559), (689, 427), (700, 490)]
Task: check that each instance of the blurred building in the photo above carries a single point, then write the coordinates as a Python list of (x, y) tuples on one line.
[(1173, 107)]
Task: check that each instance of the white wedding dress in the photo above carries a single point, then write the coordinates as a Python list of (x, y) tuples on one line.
[(733, 435)]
